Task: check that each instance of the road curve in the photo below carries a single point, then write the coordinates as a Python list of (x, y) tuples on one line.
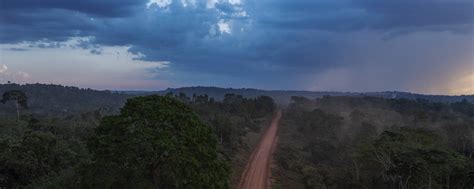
[(257, 170)]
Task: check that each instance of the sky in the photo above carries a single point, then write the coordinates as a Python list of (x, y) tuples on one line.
[(422, 46)]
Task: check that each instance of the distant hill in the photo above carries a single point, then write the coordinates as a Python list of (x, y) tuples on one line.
[(283, 96), (58, 100)]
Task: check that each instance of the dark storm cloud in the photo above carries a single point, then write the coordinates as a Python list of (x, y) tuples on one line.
[(17, 49), (121, 22), (420, 13), (349, 15), (105, 8), (267, 37), (95, 51), (51, 24), (329, 15), (32, 20)]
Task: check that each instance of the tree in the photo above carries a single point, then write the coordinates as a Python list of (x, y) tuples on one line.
[(411, 158), (20, 100), (155, 142), (31, 157)]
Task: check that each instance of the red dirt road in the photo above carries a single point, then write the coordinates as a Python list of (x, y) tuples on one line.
[(257, 170)]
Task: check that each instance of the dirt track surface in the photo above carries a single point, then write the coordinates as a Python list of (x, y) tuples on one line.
[(256, 174)]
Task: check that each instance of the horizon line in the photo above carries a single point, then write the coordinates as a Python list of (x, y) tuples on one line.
[(239, 88)]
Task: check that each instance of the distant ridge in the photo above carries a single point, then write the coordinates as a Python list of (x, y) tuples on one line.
[(67, 100), (58, 100), (284, 96)]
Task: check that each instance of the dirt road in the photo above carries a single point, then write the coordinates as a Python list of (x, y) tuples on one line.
[(257, 170)]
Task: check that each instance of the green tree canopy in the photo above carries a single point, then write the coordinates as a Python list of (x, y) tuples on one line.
[(33, 156), (17, 96), (411, 157), (20, 99), (155, 142)]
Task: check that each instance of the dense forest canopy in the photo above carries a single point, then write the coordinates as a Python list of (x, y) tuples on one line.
[(107, 140), (57, 100), (370, 142), (171, 141), (155, 142)]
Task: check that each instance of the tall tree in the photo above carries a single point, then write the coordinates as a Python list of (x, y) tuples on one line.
[(155, 142), (20, 99)]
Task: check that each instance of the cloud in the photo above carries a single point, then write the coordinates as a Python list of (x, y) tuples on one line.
[(21, 75), (240, 41), (448, 15), (3, 69), (95, 51), (7, 75), (224, 27), (17, 49), (103, 8), (384, 16), (159, 3), (113, 68)]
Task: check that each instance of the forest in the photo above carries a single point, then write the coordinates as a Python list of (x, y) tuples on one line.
[(370, 142), (168, 141), (53, 136), (236, 94)]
